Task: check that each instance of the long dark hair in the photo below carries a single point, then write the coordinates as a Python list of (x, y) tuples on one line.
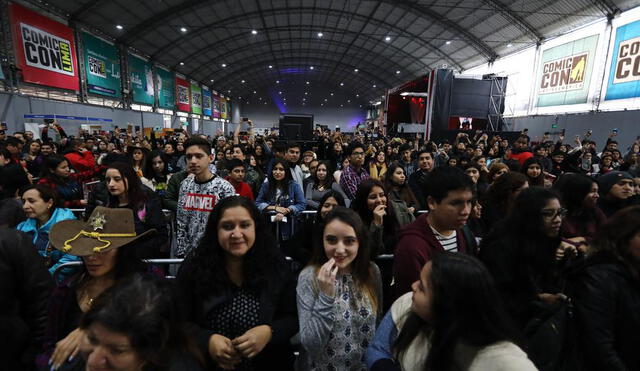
[(204, 268), (148, 171), (499, 194), (614, 236), (361, 264), (331, 193), (466, 308), (523, 230), (274, 184), (144, 310), (328, 180), (403, 189), (537, 181), (133, 186), (573, 188), (49, 166), (359, 204)]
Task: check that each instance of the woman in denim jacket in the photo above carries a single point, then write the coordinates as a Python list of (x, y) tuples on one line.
[(282, 195)]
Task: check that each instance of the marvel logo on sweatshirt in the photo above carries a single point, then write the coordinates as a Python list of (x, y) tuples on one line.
[(195, 203)]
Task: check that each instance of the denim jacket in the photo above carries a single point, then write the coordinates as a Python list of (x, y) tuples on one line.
[(293, 199)]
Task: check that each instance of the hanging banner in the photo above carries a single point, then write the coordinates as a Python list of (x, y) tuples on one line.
[(196, 98), (1, 73), (565, 73), (141, 77), (206, 101), (45, 49), (182, 95), (166, 89), (624, 75), (216, 106), (223, 108), (102, 66)]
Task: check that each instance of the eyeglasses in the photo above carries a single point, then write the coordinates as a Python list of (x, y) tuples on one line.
[(357, 154), (551, 214)]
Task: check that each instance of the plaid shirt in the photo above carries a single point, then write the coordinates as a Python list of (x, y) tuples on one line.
[(351, 179)]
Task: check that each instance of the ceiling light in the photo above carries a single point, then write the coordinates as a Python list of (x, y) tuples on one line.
[(307, 82), (325, 99), (332, 94), (211, 80), (224, 65), (374, 85), (448, 43), (279, 92), (242, 81), (182, 63), (228, 91), (254, 92), (305, 93), (254, 32), (277, 81), (509, 45), (342, 84), (357, 95), (311, 67), (304, 99), (349, 101), (260, 98), (387, 39), (119, 27), (355, 70), (342, 105), (183, 29), (270, 66), (320, 34), (398, 72)]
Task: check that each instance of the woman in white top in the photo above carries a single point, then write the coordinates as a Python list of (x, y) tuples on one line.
[(452, 320)]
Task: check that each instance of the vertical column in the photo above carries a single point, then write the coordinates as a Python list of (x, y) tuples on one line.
[(125, 78), (82, 71), (10, 62)]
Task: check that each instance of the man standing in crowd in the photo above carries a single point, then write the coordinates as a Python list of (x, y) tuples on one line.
[(236, 178), (292, 157), (199, 193), (521, 151), (355, 173), (449, 196), (79, 157), (405, 160), (417, 179)]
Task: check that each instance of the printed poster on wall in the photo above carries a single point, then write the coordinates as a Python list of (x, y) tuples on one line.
[(45, 49), (141, 77), (206, 101), (624, 74), (196, 98), (565, 73), (183, 102), (166, 89), (216, 106), (223, 108), (102, 66)]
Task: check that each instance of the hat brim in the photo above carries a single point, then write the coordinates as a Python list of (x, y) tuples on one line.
[(83, 245)]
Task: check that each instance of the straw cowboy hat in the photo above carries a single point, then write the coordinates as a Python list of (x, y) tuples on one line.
[(106, 229)]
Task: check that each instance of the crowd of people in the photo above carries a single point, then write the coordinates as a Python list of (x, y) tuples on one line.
[(354, 251)]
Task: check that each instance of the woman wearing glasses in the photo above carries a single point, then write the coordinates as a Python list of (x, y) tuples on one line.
[(528, 258)]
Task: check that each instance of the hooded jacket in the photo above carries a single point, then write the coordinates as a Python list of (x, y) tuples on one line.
[(40, 238), (417, 244)]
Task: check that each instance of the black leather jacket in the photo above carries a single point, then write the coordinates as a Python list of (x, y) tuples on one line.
[(25, 287), (607, 299)]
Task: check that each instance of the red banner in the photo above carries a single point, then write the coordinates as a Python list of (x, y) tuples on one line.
[(182, 95), (45, 49)]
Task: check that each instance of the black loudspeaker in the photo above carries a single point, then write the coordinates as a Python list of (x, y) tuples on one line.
[(298, 127)]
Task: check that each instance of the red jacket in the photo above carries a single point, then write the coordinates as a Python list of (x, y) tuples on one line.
[(521, 157), (242, 188), (416, 246), (81, 161)]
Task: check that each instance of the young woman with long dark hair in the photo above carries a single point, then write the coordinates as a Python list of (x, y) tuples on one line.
[(320, 184), (282, 195), (339, 296), (400, 194), (378, 215), (238, 292), (452, 320), (126, 191), (378, 166), (157, 171), (57, 175), (579, 195), (532, 169), (498, 201)]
